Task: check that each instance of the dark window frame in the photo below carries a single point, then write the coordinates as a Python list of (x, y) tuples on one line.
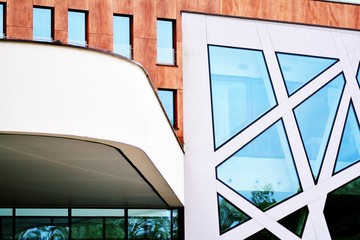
[(131, 31), (52, 25), (173, 21), (86, 13), (4, 18)]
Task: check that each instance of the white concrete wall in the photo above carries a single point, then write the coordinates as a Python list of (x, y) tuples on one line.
[(201, 186), (55, 90)]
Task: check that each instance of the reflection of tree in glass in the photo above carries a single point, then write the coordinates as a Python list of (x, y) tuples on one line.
[(45, 232), (230, 216), (263, 198), (149, 228)]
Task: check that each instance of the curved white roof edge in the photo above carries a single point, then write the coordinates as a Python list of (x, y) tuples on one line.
[(50, 89)]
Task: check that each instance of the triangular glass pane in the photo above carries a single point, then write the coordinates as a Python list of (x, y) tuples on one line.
[(342, 211), (358, 75), (296, 221), (349, 151), (263, 171), (241, 90), (298, 70), (315, 118), (229, 215), (263, 235)]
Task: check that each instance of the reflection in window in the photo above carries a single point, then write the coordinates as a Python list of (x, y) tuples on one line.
[(358, 75), (315, 118), (167, 98), (229, 215), (298, 70), (262, 171), (342, 211), (165, 42), (42, 24), (6, 228), (149, 224), (349, 151), (296, 221), (240, 88), (2, 20), (263, 234), (77, 28), (122, 33), (41, 228)]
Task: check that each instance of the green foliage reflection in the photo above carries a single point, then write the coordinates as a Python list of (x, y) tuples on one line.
[(149, 228), (264, 197)]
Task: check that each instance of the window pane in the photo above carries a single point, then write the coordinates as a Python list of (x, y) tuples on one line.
[(298, 70), (42, 24), (167, 100), (76, 28), (2, 33), (149, 224), (5, 211), (42, 228), (98, 212), (349, 151), (358, 75), (41, 212), (121, 32), (6, 228), (165, 42), (240, 88), (315, 118), (296, 221), (115, 228), (263, 171), (87, 228)]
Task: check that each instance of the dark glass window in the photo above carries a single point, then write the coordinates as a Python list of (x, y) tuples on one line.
[(165, 42), (77, 28), (2, 20), (358, 74), (342, 211), (42, 24), (263, 235), (296, 221), (122, 35), (167, 98), (241, 90)]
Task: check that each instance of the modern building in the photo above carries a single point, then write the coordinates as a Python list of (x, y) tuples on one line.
[(179, 119)]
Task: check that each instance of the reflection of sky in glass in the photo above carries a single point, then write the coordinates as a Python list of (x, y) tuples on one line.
[(241, 90), (358, 75), (167, 100), (349, 151), (264, 164), (165, 48), (315, 118), (42, 24), (1, 20), (122, 36), (76, 28), (298, 70)]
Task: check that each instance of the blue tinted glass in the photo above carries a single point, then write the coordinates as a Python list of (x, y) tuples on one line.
[(122, 36), (76, 28), (358, 75), (167, 100), (263, 171), (349, 151), (229, 215), (42, 24), (165, 42), (315, 118), (240, 88), (2, 34), (298, 70)]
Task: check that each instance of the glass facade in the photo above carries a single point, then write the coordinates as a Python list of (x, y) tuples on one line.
[(296, 221), (77, 28), (167, 98), (263, 171), (165, 42), (42, 24), (46, 224), (122, 35), (321, 106), (298, 70), (240, 88)]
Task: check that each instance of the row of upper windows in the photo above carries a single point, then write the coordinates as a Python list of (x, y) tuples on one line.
[(43, 22)]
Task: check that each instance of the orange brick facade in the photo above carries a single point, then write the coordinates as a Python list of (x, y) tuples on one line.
[(145, 13)]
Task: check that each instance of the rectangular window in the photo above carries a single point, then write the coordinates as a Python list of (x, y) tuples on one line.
[(122, 35), (42, 24), (2, 20), (167, 98), (77, 28), (166, 42)]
